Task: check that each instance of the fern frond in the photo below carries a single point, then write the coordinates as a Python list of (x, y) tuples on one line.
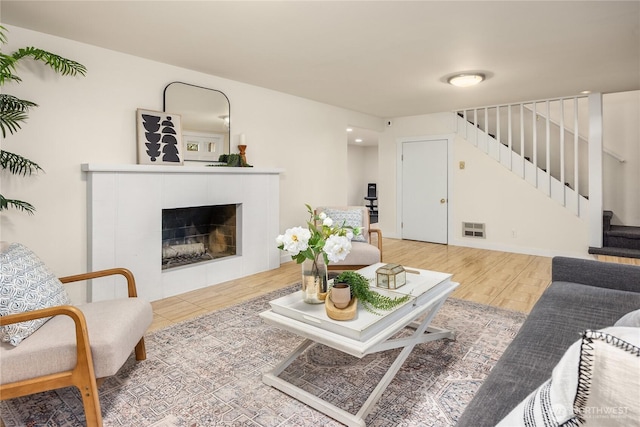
[(10, 102), (7, 67), (16, 204), (10, 121), (13, 111), (61, 65), (18, 165)]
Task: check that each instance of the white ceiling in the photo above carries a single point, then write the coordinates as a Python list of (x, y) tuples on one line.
[(385, 58)]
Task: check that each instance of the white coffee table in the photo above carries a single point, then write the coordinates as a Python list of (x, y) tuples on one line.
[(367, 333)]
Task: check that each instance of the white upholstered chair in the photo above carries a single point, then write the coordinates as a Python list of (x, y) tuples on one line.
[(76, 345), (364, 250)]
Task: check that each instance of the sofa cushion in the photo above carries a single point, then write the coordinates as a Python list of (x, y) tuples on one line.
[(596, 383), (26, 284), (596, 273), (114, 327), (561, 314)]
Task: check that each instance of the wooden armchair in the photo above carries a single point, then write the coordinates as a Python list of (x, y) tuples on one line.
[(79, 346), (363, 252)]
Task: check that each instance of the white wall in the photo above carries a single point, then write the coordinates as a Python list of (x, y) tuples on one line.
[(518, 217), (92, 120), (621, 124), (488, 193)]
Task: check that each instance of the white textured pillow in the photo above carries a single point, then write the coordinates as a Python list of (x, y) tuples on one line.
[(596, 383), (351, 218), (630, 319), (26, 284)]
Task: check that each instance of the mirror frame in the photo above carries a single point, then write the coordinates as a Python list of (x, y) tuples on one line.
[(198, 136)]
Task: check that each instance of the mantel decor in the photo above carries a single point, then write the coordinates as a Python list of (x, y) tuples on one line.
[(232, 160), (159, 138)]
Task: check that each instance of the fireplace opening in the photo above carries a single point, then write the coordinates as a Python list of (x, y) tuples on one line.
[(198, 234)]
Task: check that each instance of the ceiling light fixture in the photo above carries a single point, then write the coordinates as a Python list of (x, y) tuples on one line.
[(225, 120), (465, 80)]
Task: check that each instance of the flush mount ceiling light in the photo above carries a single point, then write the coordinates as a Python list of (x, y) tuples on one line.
[(225, 120), (465, 80)]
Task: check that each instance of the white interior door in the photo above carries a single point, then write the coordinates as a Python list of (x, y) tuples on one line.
[(424, 190)]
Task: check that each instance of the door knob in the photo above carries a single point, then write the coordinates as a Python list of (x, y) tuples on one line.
[(442, 200)]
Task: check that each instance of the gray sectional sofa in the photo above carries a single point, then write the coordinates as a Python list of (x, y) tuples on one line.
[(584, 294)]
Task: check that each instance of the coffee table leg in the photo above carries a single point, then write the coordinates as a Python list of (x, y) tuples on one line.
[(293, 356), (271, 378), (421, 335)]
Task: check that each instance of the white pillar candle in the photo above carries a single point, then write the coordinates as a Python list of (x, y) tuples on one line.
[(242, 139)]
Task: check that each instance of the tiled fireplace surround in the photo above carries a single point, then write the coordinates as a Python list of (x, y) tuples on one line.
[(125, 205)]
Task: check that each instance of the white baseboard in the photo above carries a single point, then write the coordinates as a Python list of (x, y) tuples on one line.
[(546, 252)]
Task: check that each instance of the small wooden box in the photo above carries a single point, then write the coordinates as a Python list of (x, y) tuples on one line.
[(391, 276)]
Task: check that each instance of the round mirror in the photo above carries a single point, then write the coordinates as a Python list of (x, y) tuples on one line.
[(205, 116)]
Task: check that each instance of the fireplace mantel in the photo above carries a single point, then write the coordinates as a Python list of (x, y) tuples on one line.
[(98, 167), (125, 205)]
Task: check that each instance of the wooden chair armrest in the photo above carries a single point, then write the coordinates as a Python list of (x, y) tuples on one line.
[(82, 375), (131, 281), (83, 348), (68, 310), (379, 233)]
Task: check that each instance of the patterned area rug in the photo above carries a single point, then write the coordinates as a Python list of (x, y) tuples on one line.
[(207, 372)]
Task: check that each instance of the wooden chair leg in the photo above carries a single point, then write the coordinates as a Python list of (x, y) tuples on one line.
[(141, 352), (91, 403)]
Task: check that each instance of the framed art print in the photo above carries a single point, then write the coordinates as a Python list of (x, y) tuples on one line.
[(159, 138)]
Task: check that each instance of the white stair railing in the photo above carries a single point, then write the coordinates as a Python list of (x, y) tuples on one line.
[(540, 141)]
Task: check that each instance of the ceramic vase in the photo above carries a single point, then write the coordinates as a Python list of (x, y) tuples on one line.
[(314, 280), (340, 295)]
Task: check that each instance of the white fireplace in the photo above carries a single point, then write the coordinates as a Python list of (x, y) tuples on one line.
[(125, 228)]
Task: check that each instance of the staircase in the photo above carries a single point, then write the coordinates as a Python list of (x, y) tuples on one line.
[(540, 141), (544, 143), (618, 240)]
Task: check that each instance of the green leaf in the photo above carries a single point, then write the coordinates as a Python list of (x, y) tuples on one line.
[(13, 111), (17, 164), (370, 299), (63, 66), (17, 204)]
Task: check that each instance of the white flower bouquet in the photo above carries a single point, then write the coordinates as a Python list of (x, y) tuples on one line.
[(321, 237)]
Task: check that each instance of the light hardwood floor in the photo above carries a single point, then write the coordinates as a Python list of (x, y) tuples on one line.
[(502, 279)]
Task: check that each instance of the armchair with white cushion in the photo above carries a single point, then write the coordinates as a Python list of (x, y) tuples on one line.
[(363, 251)]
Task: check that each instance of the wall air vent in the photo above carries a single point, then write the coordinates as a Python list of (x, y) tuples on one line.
[(473, 229)]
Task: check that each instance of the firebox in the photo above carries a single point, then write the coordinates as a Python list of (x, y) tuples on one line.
[(198, 234)]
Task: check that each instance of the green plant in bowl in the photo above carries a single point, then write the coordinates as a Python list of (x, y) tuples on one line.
[(370, 299)]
